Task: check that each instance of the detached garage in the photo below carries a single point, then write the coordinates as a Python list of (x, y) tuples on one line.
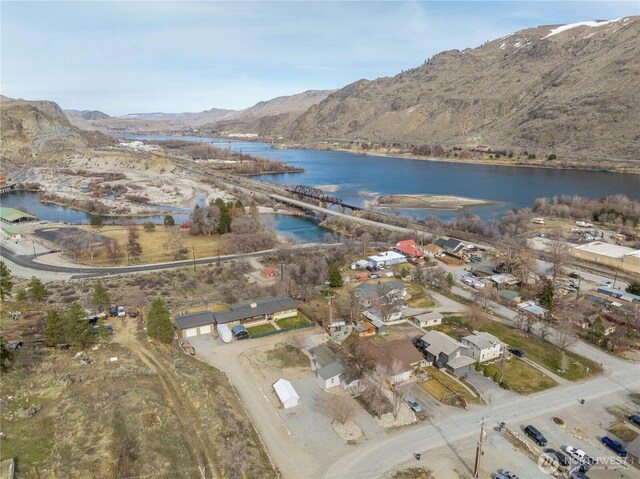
[(285, 392), (195, 324)]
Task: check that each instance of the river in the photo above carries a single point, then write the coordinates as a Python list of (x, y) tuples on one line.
[(294, 227), (360, 177)]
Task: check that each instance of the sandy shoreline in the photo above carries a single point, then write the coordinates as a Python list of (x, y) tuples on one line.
[(432, 202)]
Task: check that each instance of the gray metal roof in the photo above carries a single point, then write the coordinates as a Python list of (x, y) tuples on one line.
[(193, 320), (259, 307), (482, 340), (441, 343), (324, 355), (331, 370), (375, 290)]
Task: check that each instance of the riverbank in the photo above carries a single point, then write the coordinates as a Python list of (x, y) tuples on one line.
[(432, 202), (624, 166)]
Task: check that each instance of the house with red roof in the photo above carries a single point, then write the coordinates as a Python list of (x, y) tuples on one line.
[(409, 248), (269, 272)]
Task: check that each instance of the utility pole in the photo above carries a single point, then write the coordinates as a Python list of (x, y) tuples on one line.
[(479, 452), (616, 276), (35, 255), (503, 360), (218, 256), (193, 250), (281, 272)]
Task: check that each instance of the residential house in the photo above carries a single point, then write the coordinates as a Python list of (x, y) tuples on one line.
[(388, 292), (587, 324), (427, 320), (195, 324), (364, 329), (483, 346), (452, 246), (393, 316), (386, 259), (503, 280), (286, 393), (327, 366), (409, 249), (399, 358), (381, 326), (603, 299), (432, 250), (532, 308), (446, 353), (269, 272), (258, 311)]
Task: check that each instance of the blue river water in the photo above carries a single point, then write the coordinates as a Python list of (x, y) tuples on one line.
[(360, 177), (294, 227)]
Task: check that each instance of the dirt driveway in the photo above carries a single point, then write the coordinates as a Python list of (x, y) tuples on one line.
[(291, 459)]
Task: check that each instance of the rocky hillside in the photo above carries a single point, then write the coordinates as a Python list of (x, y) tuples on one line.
[(33, 130), (271, 116), (563, 89), (87, 114)]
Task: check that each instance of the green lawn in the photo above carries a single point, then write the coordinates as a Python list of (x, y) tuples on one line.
[(453, 326), (545, 354), (260, 329), (419, 299), (520, 377), (297, 320), (445, 385)]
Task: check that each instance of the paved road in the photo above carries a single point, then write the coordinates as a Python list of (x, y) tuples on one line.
[(375, 459), (27, 263)]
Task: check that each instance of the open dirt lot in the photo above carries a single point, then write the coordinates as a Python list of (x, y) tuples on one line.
[(153, 411)]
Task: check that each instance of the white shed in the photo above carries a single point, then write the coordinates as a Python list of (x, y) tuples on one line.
[(287, 395)]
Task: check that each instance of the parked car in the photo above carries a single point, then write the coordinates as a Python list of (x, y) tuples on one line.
[(240, 332), (574, 275), (635, 418), (536, 435), (134, 313), (517, 352), (510, 475), (562, 459), (581, 457), (414, 405), (615, 445), (113, 310), (121, 312), (607, 284)]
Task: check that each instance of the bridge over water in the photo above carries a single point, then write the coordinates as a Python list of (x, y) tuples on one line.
[(324, 199)]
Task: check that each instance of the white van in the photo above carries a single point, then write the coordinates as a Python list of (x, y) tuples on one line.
[(224, 332)]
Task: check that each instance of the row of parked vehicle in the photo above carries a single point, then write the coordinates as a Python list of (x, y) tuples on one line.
[(238, 333), (120, 312)]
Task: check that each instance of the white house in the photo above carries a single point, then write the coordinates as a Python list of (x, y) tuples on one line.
[(427, 320), (482, 346), (286, 394), (387, 258), (327, 365)]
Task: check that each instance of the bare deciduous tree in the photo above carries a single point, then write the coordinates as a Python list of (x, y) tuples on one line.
[(112, 247), (476, 315), (340, 408), (557, 253)]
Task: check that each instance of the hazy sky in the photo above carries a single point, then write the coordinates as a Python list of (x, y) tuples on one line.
[(125, 57)]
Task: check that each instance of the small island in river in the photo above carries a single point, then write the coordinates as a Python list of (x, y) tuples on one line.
[(432, 202)]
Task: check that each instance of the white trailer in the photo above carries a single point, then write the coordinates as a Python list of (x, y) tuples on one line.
[(224, 332)]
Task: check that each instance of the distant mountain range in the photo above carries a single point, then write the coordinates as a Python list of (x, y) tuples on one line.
[(568, 89)]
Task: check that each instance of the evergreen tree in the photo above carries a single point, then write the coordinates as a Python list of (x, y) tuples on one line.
[(169, 221), (134, 247), (6, 356), (100, 297), (224, 226), (597, 330), (149, 226), (54, 329), (96, 221), (77, 329), (37, 290), (6, 283), (634, 288), (159, 322), (22, 295), (335, 278), (546, 298), (450, 280)]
